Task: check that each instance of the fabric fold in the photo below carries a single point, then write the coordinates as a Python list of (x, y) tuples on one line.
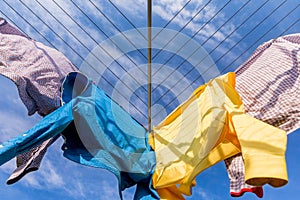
[(268, 83), (208, 128), (37, 71), (97, 133), (237, 182)]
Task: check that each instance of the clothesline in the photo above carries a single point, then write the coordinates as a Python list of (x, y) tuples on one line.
[(193, 19), (176, 134), (251, 46)]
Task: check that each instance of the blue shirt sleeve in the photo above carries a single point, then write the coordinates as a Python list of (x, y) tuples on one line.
[(50, 126)]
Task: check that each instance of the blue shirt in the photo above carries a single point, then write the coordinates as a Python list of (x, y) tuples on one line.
[(97, 132)]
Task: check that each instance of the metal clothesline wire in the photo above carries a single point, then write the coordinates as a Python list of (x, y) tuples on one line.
[(197, 32), (190, 39), (84, 30), (150, 90), (103, 32), (148, 17), (233, 31), (225, 68), (224, 53), (83, 59), (184, 123), (149, 11), (149, 8), (92, 53), (269, 30), (79, 39), (182, 28), (16, 25), (129, 21), (149, 24), (100, 45), (115, 26), (169, 21), (248, 33)]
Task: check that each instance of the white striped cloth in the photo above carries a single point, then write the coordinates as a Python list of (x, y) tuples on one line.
[(37, 71), (268, 83), (7, 28)]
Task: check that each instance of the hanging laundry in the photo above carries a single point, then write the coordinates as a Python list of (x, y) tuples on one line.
[(7, 28), (37, 71), (210, 127), (268, 83), (237, 182), (97, 132)]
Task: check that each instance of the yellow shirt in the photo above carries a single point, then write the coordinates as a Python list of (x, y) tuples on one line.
[(210, 127)]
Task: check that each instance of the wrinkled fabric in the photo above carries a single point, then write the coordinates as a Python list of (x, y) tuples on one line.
[(268, 83), (37, 71), (210, 127), (97, 132), (7, 28), (29, 161), (237, 183)]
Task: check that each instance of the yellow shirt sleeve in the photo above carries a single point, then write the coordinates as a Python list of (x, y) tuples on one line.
[(210, 127)]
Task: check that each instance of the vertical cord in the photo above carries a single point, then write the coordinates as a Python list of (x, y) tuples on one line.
[(149, 64)]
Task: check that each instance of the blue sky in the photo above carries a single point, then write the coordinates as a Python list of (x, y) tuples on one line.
[(77, 29)]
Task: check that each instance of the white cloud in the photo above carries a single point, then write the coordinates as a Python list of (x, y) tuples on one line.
[(202, 194), (46, 178), (216, 30), (134, 7), (76, 189), (51, 175), (167, 9), (109, 192), (13, 118), (8, 166)]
